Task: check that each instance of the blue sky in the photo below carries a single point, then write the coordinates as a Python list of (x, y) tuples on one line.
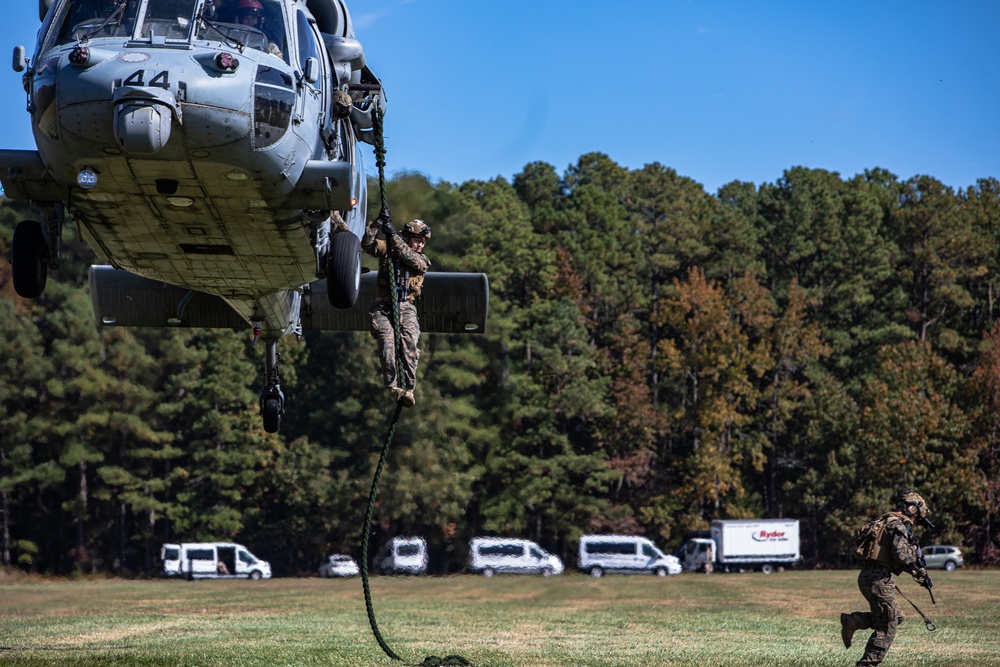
[(717, 90)]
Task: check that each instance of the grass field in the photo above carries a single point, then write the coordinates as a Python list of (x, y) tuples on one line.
[(571, 620)]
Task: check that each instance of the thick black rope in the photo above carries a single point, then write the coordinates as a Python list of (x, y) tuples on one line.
[(431, 660), (368, 529), (391, 264)]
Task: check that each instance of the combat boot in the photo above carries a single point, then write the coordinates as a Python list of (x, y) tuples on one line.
[(408, 400), (849, 624), (397, 394)]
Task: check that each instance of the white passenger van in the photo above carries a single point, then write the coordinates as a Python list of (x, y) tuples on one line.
[(510, 555), (212, 560), (627, 554), (404, 555)]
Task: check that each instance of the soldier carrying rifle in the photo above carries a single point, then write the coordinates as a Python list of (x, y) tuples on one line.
[(886, 546)]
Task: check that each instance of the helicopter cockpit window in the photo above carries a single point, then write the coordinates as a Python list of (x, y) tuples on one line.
[(93, 19), (257, 24), (171, 19)]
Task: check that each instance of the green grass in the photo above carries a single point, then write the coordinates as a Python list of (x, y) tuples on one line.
[(571, 620)]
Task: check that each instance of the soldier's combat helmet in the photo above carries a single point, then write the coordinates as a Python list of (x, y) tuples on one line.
[(417, 228), (342, 104), (910, 503)]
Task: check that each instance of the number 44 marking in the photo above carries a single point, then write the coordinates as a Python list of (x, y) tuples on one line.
[(159, 80)]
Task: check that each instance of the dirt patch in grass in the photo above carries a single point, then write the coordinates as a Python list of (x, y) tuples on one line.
[(119, 633)]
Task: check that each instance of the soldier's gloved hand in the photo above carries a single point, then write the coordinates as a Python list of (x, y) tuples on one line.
[(922, 578), (384, 220), (383, 216)]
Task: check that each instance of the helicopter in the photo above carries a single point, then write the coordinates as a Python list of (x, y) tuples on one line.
[(210, 153)]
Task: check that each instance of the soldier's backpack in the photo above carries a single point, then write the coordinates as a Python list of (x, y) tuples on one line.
[(868, 541)]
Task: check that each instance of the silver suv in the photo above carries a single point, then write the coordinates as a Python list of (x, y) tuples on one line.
[(943, 557)]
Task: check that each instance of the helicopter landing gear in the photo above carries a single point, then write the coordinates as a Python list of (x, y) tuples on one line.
[(272, 400), (29, 259), (343, 270)]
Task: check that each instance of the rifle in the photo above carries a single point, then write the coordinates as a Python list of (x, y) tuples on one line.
[(927, 582)]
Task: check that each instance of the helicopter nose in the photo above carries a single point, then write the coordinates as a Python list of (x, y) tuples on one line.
[(143, 120)]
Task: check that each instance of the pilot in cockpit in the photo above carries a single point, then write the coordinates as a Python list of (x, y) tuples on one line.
[(251, 13)]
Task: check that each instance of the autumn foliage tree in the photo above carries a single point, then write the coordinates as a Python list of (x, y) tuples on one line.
[(656, 357)]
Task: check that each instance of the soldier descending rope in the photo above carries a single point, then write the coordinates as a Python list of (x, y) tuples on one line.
[(401, 258), (395, 282)]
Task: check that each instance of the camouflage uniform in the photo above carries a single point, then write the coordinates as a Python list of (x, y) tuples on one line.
[(337, 224), (899, 553), (409, 268)]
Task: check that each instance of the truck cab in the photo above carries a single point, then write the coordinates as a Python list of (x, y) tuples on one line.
[(697, 552)]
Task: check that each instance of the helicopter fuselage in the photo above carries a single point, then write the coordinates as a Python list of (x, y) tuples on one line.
[(197, 150)]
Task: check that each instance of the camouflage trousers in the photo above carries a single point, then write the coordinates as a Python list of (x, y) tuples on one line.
[(383, 332), (877, 585)]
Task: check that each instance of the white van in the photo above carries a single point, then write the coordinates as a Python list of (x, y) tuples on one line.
[(212, 560), (627, 554), (491, 555), (404, 555)]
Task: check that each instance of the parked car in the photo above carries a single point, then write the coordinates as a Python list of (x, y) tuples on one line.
[(625, 554), (339, 565), (945, 557), (510, 555)]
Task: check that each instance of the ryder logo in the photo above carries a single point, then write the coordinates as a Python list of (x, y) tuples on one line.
[(770, 536)]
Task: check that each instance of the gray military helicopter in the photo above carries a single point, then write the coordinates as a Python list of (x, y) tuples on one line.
[(201, 148)]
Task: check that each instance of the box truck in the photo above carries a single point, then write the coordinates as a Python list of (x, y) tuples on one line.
[(750, 544)]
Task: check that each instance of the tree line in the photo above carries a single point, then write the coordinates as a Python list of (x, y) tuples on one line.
[(656, 357)]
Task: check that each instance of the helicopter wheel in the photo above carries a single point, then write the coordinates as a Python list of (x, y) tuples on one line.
[(272, 415), (29, 259), (343, 270)]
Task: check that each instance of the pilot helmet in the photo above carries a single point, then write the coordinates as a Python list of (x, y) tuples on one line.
[(911, 504), (245, 8), (417, 228)]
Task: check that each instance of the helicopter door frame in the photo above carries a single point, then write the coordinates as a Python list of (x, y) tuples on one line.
[(324, 83), (306, 47)]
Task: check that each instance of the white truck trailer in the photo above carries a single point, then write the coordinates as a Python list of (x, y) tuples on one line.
[(750, 544)]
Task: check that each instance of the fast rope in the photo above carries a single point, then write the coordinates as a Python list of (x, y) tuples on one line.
[(431, 660)]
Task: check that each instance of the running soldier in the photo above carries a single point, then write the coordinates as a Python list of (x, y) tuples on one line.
[(895, 550), (405, 251)]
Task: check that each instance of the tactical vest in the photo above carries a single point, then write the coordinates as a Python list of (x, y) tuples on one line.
[(873, 542)]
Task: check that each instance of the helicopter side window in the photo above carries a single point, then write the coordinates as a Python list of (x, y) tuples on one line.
[(307, 41), (274, 101)]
